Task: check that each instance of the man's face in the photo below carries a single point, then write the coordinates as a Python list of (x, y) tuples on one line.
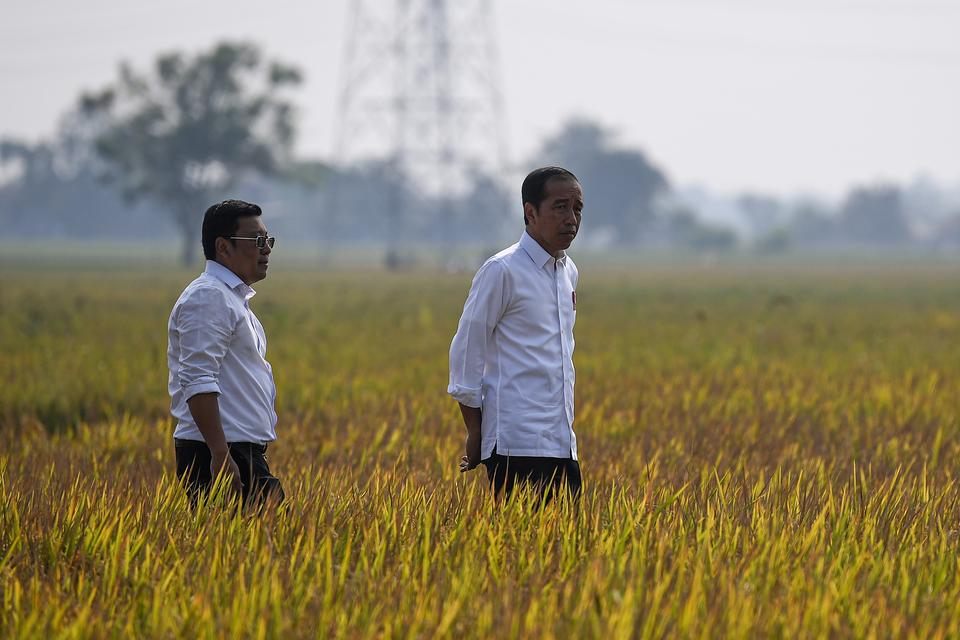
[(554, 224), (242, 256)]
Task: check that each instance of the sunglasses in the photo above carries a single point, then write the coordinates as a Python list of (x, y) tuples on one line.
[(262, 241)]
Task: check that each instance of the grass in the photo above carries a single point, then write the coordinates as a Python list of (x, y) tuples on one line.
[(765, 453)]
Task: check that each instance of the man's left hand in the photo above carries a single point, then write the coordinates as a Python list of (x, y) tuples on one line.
[(466, 465)]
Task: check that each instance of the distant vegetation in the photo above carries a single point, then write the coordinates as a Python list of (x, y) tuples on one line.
[(142, 157)]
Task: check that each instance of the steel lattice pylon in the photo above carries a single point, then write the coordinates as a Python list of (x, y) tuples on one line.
[(421, 89)]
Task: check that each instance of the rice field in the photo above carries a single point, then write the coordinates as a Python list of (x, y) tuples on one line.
[(767, 452)]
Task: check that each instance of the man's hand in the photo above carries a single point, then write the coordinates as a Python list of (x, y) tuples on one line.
[(466, 465), (205, 410), (223, 462), (472, 459), (472, 421)]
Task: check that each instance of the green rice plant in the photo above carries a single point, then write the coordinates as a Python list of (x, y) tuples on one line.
[(765, 455)]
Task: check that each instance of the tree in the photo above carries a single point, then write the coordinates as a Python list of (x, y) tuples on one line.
[(763, 214), (684, 229), (947, 236), (184, 134), (813, 224), (621, 186), (874, 215), (41, 185)]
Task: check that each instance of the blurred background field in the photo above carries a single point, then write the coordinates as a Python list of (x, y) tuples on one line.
[(768, 448)]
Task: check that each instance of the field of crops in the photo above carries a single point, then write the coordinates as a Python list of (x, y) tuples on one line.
[(766, 453)]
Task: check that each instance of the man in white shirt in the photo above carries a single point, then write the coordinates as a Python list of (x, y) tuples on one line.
[(221, 385), (511, 361)]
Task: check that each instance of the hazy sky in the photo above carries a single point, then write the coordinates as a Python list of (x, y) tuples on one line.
[(772, 95)]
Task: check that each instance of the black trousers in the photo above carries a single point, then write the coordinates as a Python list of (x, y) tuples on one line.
[(546, 475), (193, 469)]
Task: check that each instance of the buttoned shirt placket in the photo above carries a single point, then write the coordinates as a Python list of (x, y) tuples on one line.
[(566, 374), (246, 292)]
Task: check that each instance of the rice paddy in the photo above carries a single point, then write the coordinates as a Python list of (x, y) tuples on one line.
[(766, 453)]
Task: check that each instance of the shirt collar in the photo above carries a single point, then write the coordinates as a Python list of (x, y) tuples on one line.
[(230, 279), (537, 253)]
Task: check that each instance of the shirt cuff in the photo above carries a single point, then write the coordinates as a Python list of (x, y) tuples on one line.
[(196, 388), (465, 395)]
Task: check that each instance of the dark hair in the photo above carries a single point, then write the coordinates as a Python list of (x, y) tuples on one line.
[(220, 221), (534, 185)]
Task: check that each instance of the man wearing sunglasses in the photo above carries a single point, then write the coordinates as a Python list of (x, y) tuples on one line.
[(221, 385)]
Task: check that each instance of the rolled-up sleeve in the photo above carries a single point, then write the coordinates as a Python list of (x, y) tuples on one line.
[(205, 325), (481, 313)]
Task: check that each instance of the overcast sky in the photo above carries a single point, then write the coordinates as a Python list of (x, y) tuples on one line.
[(783, 96)]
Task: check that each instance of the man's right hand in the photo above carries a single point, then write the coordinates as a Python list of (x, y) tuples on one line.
[(205, 410), (472, 420), (223, 462), (472, 446)]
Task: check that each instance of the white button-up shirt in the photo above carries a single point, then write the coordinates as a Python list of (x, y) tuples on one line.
[(217, 345), (512, 355)]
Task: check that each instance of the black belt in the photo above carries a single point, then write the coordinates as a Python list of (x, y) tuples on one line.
[(255, 446)]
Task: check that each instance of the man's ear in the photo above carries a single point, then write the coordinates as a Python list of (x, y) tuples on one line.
[(528, 212), (220, 245)]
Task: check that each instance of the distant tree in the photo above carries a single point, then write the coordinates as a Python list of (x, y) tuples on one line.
[(307, 174), (681, 224), (763, 214), (713, 239), (621, 186), (485, 212), (362, 199), (15, 157), (296, 201), (183, 134), (43, 186), (686, 230), (775, 241), (812, 225), (874, 215), (947, 233), (26, 172), (926, 206)]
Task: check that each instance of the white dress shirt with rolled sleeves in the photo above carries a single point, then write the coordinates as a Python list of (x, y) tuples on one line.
[(217, 345), (512, 355)]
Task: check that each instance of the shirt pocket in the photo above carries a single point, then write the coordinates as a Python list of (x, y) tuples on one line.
[(568, 306), (245, 340)]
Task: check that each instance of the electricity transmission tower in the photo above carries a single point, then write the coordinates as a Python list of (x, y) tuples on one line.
[(421, 92)]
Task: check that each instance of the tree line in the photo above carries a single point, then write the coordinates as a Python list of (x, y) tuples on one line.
[(143, 157)]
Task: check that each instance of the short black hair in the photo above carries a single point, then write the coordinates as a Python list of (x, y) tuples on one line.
[(534, 185), (220, 221)]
